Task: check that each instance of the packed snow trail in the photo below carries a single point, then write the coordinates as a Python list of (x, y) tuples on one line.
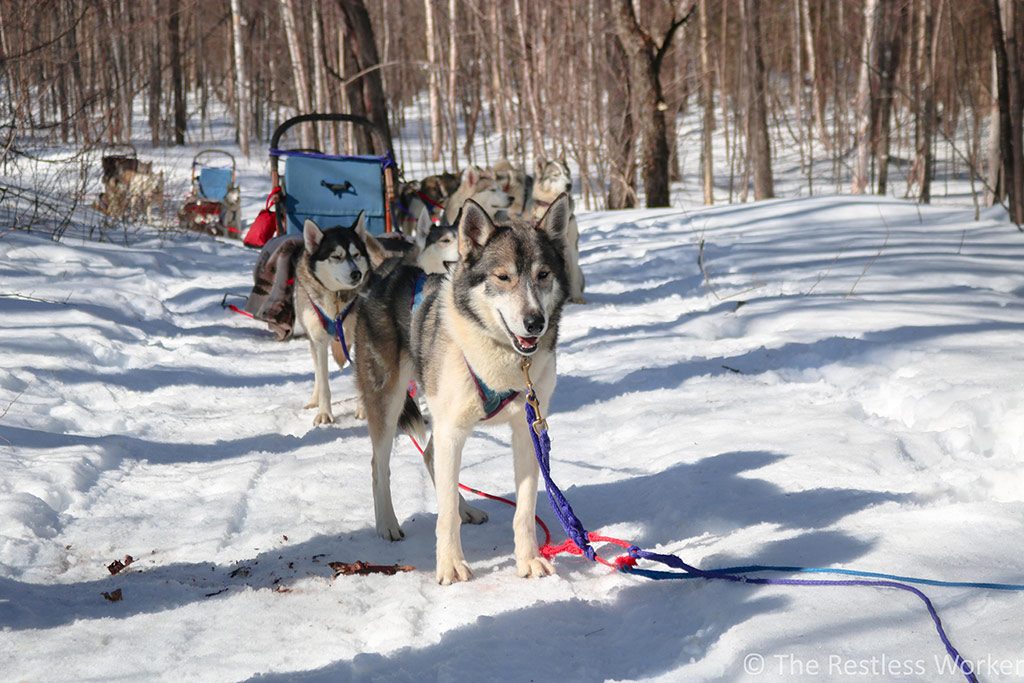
[(831, 382)]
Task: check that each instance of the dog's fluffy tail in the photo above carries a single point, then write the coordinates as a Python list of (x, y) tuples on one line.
[(412, 422)]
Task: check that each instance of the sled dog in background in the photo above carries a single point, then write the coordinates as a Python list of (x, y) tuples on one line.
[(464, 345), (554, 179), (479, 185), (330, 273), (438, 245), (513, 181)]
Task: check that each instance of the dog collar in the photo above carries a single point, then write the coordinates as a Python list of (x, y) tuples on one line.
[(336, 327)]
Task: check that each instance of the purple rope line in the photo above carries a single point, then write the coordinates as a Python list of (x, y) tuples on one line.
[(575, 530), (566, 517)]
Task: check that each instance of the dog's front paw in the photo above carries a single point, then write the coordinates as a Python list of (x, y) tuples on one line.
[(452, 569), (390, 531), (360, 411), (472, 515), (534, 567), (578, 300), (324, 417)]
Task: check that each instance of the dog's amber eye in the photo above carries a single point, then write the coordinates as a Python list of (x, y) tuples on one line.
[(504, 277), (543, 275)]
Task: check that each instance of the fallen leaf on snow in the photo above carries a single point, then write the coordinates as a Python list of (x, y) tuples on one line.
[(364, 568), (117, 565), (114, 595)]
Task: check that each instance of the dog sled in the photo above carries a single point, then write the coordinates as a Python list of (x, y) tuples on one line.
[(212, 204), (130, 188), (330, 189)]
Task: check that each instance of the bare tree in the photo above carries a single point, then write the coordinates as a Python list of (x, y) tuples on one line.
[(241, 78), (177, 73), (758, 144), (1011, 105), (434, 85), (645, 58), (707, 94), (863, 108)]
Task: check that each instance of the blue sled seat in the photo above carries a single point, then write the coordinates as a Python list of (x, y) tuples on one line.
[(333, 191), (214, 183)]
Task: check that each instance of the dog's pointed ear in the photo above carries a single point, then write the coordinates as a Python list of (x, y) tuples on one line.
[(475, 228), (423, 223), (360, 225), (539, 163), (555, 222), (375, 250), (312, 235)]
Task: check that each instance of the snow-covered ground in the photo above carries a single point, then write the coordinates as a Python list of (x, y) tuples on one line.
[(842, 384)]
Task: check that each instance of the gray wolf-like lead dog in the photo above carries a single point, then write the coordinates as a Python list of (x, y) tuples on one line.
[(330, 273), (464, 344), (553, 179)]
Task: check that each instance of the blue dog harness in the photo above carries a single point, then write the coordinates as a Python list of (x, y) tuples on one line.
[(493, 401), (336, 327)]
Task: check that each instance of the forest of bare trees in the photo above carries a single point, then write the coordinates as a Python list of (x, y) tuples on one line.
[(865, 88)]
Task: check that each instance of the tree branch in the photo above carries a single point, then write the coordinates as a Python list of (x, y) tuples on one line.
[(666, 42)]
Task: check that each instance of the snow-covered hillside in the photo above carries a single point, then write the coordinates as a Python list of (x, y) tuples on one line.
[(832, 381)]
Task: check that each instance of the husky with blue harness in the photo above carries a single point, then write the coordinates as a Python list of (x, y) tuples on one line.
[(463, 337), (339, 206)]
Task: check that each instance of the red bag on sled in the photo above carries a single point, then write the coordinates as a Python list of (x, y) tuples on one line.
[(264, 227)]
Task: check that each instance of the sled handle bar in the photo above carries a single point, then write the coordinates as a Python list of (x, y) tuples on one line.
[(315, 118)]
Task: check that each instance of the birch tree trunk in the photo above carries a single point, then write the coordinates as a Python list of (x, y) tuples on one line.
[(497, 59), (302, 100), (434, 84), (863, 106), (453, 69), (536, 127), (996, 189), (817, 100), (241, 78), (707, 94), (319, 76)]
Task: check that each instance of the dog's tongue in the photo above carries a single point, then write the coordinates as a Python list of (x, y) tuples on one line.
[(527, 342)]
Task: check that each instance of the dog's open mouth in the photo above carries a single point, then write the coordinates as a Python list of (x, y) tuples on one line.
[(524, 345)]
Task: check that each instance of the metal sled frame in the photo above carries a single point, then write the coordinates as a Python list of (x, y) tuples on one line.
[(332, 189)]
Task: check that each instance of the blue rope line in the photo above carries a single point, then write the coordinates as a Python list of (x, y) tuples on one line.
[(575, 530), (754, 568)]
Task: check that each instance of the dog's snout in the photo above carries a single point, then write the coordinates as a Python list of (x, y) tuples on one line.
[(534, 323), (357, 275)]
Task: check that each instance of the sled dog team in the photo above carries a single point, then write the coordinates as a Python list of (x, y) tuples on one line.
[(482, 289)]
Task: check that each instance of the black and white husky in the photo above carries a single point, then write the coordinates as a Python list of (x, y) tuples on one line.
[(464, 344), (331, 272)]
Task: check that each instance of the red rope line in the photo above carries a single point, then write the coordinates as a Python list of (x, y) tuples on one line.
[(238, 310), (568, 546)]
